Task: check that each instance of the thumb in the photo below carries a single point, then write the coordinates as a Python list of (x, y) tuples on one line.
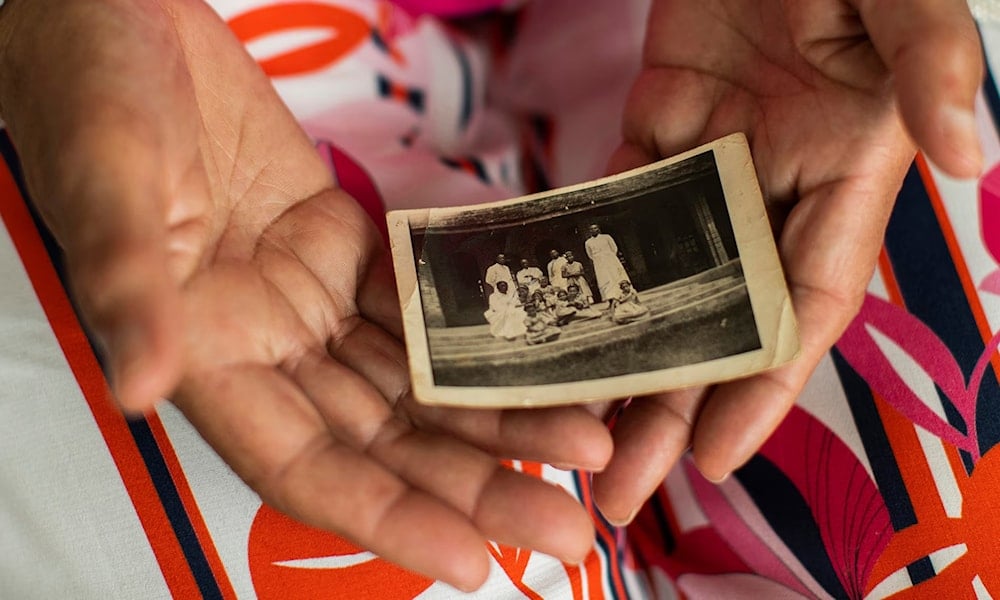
[(91, 101), (932, 49), (111, 224)]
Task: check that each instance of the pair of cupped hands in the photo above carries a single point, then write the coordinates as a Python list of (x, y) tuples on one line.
[(209, 248)]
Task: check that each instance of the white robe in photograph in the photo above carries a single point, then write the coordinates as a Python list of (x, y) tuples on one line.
[(529, 277), (505, 316), (555, 272), (603, 252), (497, 273)]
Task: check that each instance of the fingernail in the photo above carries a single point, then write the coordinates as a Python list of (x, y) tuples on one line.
[(719, 480), (577, 467), (959, 127), (626, 521)]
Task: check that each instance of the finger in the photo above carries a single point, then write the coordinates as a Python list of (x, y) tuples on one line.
[(508, 507), (111, 223), (323, 293), (374, 354), (98, 130), (932, 49), (628, 156), (512, 508), (571, 437), (829, 247), (739, 416), (333, 237), (272, 436), (668, 111), (377, 298), (650, 436)]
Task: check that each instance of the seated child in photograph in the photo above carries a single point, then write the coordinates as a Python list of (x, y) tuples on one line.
[(548, 290), (505, 315), (540, 330), (627, 307), (523, 296), (577, 300), (541, 304), (562, 309)]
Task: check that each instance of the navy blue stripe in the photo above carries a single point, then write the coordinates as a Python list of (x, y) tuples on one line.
[(662, 524), (174, 507), (465, 114), (932, 291), (166, 490), (378, 41), (383, 85), (885, 470)]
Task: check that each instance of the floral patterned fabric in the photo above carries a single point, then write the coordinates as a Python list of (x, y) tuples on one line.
[(878, 484)]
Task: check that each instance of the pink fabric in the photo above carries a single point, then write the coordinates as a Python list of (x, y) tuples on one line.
[(839, 492), (739, 533), (449, 8), (931, 354)]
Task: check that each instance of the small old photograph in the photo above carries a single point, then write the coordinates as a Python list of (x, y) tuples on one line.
[(538, 301)]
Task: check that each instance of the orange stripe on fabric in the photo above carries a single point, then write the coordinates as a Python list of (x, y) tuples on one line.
[(399, 92), (575, 576), (507, 555), (912, 462), (902, 433), (191, 506), (889, 279), (595, 579), (347, 31), (75, 346)]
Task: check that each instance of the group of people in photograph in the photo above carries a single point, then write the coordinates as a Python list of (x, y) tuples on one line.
[(535, 305)]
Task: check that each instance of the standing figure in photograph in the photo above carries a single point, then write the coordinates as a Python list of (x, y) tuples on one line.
[(603, 252), (540, 329), (572, 273), (627, 307), (529, 276), (499, 271), (505, 315), (555, 269)]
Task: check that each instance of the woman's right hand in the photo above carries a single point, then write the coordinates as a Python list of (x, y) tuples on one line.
[(210, 250)]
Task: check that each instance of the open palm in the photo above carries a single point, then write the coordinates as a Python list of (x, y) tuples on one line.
[(209, 247), (822, 88)]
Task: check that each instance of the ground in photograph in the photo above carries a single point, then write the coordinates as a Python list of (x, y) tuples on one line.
[(693, 320)]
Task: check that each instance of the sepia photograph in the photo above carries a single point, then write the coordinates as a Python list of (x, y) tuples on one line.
[(658, 278)]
